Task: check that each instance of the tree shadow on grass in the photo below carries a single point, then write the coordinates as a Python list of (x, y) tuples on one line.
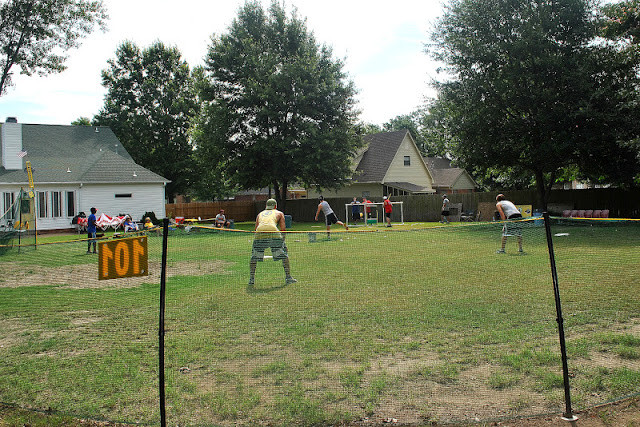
[(254, 290)]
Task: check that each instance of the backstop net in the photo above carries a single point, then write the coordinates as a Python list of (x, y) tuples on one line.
[(414, 323), (17, 223)]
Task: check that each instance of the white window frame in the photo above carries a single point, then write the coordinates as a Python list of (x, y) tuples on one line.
[(70, 203), (56, 204), (9, 198), (43, 204)]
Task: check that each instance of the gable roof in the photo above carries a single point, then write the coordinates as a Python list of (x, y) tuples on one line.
[(443, 174), (437, 162), (446, 177), (375, 162), (74, 154)]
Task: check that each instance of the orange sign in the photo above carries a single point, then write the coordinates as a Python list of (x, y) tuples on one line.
[(123, 258)]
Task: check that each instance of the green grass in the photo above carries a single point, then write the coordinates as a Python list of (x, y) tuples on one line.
[(415, 320)]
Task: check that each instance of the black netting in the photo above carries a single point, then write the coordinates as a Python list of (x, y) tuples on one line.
[(415, 323)]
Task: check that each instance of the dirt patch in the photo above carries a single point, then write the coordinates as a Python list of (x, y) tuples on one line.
[(85, 276), (468, 397), (12, 332), (612, 361)]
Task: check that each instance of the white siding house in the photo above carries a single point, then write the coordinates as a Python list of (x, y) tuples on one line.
[(74, 168)]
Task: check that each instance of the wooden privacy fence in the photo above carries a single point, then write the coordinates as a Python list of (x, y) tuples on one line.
[(621, 203), (416, 208), (236, 210)]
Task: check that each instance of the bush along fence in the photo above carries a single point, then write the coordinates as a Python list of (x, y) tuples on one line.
[(417, 323)]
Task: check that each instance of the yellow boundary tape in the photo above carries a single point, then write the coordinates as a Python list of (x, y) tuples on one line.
[(233, 230), (596, 219), (129, 234)]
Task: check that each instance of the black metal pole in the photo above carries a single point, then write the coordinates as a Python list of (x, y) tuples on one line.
[(163, 278), (568, 414)]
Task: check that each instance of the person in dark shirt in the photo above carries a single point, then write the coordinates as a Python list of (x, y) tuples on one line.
[(91, 231)]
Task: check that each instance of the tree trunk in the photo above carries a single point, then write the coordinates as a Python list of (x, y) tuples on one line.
[(281, 195), (543, 188), (276, 193)]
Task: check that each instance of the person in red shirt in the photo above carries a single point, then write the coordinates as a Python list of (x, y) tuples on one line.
[(368, 208), (387, 210)]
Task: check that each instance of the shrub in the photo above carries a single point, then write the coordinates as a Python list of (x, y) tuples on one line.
[(152, 216)]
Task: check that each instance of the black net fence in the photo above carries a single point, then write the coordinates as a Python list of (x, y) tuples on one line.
[(415, 323)]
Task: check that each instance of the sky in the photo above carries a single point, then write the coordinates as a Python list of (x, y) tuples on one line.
[(381, 43)]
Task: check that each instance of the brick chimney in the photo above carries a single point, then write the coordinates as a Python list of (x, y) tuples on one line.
[(11, 144)]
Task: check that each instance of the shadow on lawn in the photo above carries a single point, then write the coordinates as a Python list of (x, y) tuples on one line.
[(251, 289)]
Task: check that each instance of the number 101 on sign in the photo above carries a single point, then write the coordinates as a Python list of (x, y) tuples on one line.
[(123, 258)]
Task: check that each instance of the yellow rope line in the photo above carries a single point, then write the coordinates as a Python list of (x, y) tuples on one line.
[(231, 230), (130, 233), (597, 219)]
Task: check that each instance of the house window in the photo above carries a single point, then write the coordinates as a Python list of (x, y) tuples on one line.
[(9, 200), (43, 207), (123, 195), (71, 203), (407, 160), (56, 204)]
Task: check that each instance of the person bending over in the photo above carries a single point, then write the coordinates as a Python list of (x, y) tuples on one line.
[(268, 224), (509, 211), (329, 216)]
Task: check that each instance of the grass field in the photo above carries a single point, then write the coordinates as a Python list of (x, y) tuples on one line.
[(419, 323)]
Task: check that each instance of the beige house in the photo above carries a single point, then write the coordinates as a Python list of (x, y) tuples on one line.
[(449, 179), (389, 164)]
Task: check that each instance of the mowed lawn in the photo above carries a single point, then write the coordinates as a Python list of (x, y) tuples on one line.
[(418, 323)]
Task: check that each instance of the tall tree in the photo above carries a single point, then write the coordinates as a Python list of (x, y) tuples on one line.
[(81, 121), (36, 34), (369, 128), (531, 91), (421, 124), (149, 105), (281, 106), (212, 179), (621, 21), (409, 122)]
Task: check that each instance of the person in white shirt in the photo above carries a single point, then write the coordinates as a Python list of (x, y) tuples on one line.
[(221, 220), (445, 210), (329, 216), (509, 211)]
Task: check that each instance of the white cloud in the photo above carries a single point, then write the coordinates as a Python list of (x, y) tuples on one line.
[(382, 47)]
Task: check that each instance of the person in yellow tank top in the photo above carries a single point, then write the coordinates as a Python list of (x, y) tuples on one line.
[(269, 223)]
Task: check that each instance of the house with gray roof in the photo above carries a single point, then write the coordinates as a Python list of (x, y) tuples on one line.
[(74, 168), (388, 164), (448, 179)]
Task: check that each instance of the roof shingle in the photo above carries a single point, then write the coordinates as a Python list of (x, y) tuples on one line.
[(62, 154), (381, 148)]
